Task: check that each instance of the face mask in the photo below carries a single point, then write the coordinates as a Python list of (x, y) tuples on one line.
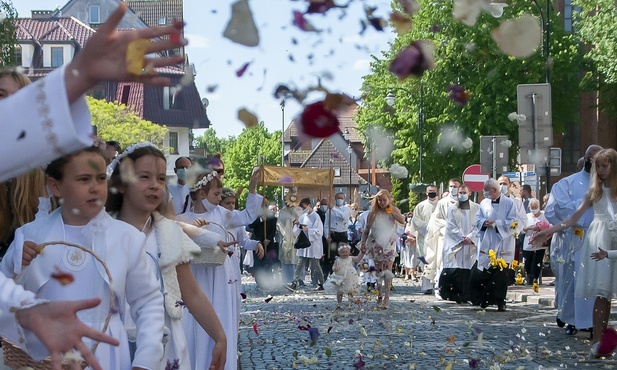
[(453, 190), (463, 197), (588, 166), (487, 194), (432, 194), (209, 206), (503, 189), (181, 174), (323, 208), (535, 211), (340, 202), (408, 219)]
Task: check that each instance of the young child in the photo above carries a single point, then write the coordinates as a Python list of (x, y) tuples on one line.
[(79, 181), (139, 201), (345, 278), (597, 279), (221, 283)]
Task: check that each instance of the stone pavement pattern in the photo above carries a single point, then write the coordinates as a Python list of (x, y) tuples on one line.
[(417, 332)]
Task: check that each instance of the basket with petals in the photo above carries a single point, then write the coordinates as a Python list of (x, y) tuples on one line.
[(211, 254), (17, 358)]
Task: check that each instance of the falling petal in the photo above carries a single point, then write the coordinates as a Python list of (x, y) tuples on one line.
[(301, 22), (518, 37), (608, 342), (243, 69), (248, 118), (413, 60), (255, 329), (458, 94), (268, 299), (317, 121), (62, 277), (22, 135), (329, 329), (241, 28), (211, 88), (320, 6), (468, 11), (401, 23), (398, 172), (409, 6), (314, 335), (328, 352)]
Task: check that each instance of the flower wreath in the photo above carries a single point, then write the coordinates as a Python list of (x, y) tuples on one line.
[(130, 149), (204, 180)]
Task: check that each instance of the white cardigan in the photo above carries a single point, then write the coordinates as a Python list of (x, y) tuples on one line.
[(122, 247)]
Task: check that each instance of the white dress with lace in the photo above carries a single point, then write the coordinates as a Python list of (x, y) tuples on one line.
[(598, 278)]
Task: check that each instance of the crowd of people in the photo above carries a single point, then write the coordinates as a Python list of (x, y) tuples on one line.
[(157, 267)]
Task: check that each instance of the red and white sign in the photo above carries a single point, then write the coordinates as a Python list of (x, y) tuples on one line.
[(475, 178)]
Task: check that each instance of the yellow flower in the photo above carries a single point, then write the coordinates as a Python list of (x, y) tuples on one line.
[(536, 288), (492, 257), (389, 210), (514, 264), (519, 279), (578, 232), (513, 225), (502, 263)]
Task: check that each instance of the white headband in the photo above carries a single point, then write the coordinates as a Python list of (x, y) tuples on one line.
[(204, 180), (130, 149)]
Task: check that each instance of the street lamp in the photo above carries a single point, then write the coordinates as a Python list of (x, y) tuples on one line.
[(391, 99), (546, 33), (283, 147), (347, 137)]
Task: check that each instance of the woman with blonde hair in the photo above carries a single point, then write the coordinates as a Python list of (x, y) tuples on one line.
[(21, 197), (379, 239)]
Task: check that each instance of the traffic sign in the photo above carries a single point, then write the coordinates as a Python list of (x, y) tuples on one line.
[(534, 102), (512, 175), (494, 155), (475, 178)]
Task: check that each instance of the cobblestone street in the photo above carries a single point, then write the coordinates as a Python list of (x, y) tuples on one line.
[(417, 332)]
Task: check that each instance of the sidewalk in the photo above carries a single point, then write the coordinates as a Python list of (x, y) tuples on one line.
[(544, 297)]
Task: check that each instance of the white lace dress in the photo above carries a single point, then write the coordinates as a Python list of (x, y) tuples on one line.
[(598, 278)]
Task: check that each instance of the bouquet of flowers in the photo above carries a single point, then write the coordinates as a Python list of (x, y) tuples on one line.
[(540, 226)]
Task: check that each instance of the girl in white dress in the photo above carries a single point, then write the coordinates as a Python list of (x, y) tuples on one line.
[(379, 240), (221, 283), (138, 201), (345, 277), (79, 180), (597, 279)]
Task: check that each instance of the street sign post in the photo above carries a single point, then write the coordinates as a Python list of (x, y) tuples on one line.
[(474, 177), (494, 155), (535, 133)]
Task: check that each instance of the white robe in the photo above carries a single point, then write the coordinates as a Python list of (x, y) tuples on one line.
[(222, 285), (284, 226), (315, 232), (461, 223), (566, 252), (122, 247), (419, 223), (501, 237), (40, 125), (434, 240)]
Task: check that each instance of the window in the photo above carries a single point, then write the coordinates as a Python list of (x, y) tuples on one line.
[(162, 21), (57, 57), (124, 97), (18, 56), (173, 142), (337, 171), (95, 14), (172, 98)]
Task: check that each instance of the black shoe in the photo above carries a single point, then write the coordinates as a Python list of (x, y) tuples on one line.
[(319, 288), (483, 305), (560, 323), (301, 283), (429, 292), (571, 330), (501, 307), (291, 287)]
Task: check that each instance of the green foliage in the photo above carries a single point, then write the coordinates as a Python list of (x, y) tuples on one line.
[(8, 33), (400, 191), (213, 144), (251, 147), (469, 57), (117, 122), (597, 26)]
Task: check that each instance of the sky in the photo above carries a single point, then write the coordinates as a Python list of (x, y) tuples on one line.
[(340, 56)]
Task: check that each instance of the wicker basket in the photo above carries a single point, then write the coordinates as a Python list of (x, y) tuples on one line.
[(213, 256), (16, 358)]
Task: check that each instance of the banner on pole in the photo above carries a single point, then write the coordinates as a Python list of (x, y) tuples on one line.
[(298, 177)]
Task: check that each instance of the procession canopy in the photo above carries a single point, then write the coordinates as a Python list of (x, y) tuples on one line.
[(298, 177)]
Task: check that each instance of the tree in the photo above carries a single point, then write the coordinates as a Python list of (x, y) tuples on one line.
[(8, 33), (466, 56), (252, 146), (597, 26), (213, 144), (116, 122)]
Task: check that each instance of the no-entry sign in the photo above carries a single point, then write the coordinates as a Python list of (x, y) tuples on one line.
[(474, 177)]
